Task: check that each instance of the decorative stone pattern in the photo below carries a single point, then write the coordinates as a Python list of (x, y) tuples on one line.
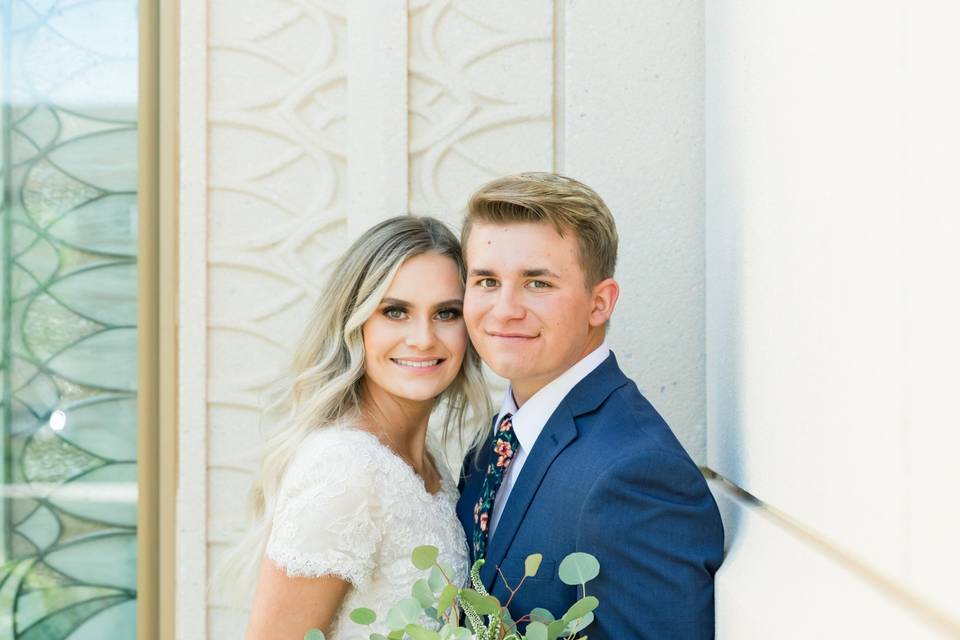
[(481, 96), (276, 171)]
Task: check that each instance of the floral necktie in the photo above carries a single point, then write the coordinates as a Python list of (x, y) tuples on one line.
[(504, 447)]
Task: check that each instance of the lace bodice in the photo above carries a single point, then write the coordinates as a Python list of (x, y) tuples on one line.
[(349, 506)]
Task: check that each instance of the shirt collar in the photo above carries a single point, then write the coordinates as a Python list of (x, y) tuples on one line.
[(529, 420)]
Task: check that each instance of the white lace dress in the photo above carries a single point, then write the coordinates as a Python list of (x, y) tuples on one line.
[(350, 507)]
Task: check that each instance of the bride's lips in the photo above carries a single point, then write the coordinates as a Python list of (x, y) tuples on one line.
[(419, 364)]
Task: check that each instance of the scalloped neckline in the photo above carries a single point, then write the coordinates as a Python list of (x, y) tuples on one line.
[(441, 492)]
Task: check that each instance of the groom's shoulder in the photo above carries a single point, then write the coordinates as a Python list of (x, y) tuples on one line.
[(627, 421)]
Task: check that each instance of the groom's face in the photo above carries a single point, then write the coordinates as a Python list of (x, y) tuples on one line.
[(527, 305)]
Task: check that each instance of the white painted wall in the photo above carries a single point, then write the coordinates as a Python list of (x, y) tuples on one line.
[(832, 220), (303, 123)]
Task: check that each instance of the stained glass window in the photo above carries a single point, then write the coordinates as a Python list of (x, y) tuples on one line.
[(68, 334)]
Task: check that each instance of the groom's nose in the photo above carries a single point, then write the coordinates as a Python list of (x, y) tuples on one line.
[(507, 306)]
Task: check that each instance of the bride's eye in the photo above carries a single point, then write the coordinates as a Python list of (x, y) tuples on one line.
[(448, 314), (395, 313)]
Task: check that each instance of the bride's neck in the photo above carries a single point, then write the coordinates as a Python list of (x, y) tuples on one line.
[(400, 421)]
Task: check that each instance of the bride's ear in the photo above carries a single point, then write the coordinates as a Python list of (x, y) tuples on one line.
[(605, 295)]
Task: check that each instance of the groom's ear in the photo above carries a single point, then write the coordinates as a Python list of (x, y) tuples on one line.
[(605, 295)]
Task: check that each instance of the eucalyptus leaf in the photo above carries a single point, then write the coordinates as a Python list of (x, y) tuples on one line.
[(484, 605), (436, 580), (421, 591), (405, 612), (579, 624), (363, 616), (532, 564), (314, 634), (580, 608), (446, 598), (579, 569), (536, 631), (417, 632), (542, 615), (555, 628), (424, 557), (377, 636), (396, 635)]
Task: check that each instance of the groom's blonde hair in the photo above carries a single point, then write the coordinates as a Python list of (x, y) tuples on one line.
[(567, 204)]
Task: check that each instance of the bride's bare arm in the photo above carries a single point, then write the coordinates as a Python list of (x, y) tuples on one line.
[(285, 607)]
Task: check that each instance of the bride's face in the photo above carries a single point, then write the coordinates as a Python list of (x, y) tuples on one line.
[(416, 339)]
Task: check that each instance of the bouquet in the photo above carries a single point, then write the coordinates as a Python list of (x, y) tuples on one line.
[(465, 613)]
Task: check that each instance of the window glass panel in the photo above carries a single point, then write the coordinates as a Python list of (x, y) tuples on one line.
[(68, 335)]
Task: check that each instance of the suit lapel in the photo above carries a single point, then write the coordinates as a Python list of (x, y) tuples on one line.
[(558, 432)]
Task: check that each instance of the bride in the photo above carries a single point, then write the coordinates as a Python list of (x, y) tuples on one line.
[(351, 483)]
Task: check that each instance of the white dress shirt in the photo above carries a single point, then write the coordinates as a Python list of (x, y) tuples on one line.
[(529, 420)]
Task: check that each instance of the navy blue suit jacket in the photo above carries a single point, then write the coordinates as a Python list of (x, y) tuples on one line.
[(608, 477)]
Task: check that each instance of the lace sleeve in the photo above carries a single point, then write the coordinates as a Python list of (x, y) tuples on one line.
[(323, 523)]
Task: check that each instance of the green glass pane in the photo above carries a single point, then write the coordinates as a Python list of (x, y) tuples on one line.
[(106, 293), (59, 623), (85, 560), (48, 193), (50, 328), (119, 621), (40, 126), (42, 527), (104, 427), (47, 458), (35, 605), (105, 161), (104, 225), (107, 494), (107, 360)]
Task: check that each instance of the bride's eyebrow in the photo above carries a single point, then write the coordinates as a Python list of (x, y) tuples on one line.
[(397, 302)]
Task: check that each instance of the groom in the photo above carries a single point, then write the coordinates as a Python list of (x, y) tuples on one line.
[(578, 460)]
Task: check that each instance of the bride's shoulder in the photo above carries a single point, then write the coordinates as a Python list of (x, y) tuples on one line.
[(337, 445)]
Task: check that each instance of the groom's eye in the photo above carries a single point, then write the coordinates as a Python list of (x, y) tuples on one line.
[(486, 283), (539, 284)]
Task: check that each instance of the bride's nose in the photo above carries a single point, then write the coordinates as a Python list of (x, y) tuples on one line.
[(420, 335)]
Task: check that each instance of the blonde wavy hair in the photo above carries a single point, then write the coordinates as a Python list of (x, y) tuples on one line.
[(323, 386)]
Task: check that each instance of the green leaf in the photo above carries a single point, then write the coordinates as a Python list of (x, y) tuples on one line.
[(451, 631), (446, 598), (314, 634), (424, 557), (377, 636), (542, 615), (555, 628), (532, 564), (485, 605), (580, 608), (421, 591), (536, 631), (396, 635), (579, 569), (579, 624), (405, 612), (417, 632), (363, 616), (436, 580)]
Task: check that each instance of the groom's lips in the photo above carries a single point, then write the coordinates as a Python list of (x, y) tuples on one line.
[(509, 335)]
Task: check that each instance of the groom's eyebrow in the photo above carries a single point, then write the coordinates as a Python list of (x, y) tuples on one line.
[(536, 273)]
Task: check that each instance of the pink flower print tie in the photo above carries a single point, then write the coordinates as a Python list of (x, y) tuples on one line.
[(504, 447)]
